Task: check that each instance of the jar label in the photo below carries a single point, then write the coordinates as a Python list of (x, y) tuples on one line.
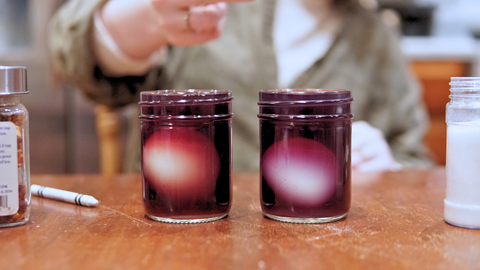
[(9, 168)]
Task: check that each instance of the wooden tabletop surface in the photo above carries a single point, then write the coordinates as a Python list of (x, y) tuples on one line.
[(395, 222)]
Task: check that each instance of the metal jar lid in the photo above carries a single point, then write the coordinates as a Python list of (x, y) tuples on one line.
[(13, 80)]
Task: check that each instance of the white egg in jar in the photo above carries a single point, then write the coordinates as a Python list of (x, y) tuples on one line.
[(181, 161), (300, 170)]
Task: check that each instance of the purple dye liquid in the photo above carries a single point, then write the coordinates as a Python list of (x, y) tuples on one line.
[(186, 154), (288, 205), (196, 197), (305, 154)]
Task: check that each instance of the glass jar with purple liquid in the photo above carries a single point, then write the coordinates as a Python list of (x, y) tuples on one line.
[(305, 137), (186, 154)]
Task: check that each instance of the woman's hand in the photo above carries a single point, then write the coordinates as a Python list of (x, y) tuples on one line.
[(370, 150), (190, 22), (141, 27)]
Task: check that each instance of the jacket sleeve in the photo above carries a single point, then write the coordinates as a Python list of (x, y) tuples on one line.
[(397, 106), (72, 60)]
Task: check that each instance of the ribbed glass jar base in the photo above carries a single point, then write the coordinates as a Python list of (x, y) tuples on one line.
[(186, 221), (305, 220)]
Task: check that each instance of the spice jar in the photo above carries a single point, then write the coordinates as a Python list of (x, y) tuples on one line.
[(186, 154), (14, 149), (462, 202), (305, 137)]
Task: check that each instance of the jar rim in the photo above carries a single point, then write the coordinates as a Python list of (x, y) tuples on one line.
[(465, 85), (185, 104), (465, 78), (185, 95), (304, 95)]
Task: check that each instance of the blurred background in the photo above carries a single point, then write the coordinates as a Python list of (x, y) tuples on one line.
[(63, 136), (441, 39)]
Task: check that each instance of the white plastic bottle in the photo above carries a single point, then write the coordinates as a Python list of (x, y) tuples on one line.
[(462, 202)]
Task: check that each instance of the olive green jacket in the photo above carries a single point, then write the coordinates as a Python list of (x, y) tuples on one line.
[(364, 58)]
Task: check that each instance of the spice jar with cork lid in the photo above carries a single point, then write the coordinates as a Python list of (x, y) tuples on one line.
[(14, 149)]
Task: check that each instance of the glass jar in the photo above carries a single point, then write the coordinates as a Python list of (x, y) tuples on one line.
[(186, 154), (462, 201), (14, 149), (305, 137)]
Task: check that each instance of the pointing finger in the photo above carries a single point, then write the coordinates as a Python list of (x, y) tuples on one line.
[(192, 3)]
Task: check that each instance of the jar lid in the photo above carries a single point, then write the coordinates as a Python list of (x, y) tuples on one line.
[(13, 80)]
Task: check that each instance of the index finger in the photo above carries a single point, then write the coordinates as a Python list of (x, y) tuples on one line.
[(191, 3)]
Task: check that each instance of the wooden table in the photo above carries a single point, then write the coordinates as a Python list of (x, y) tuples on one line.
[(396, 222)]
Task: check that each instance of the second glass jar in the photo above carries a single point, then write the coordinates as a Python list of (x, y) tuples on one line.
[(186, 154), (305, 141)]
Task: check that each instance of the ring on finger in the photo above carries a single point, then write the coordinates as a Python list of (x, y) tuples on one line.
[(186, 19)]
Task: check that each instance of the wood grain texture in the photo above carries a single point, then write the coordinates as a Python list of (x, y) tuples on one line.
[(396, 222)]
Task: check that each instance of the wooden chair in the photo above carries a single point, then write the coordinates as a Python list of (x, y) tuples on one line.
[(108, 125)]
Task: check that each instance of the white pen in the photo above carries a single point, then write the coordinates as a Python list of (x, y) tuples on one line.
[(63, 195)]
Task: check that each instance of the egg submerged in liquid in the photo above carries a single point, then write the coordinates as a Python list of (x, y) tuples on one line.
[(301, 171), (181, 161)]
